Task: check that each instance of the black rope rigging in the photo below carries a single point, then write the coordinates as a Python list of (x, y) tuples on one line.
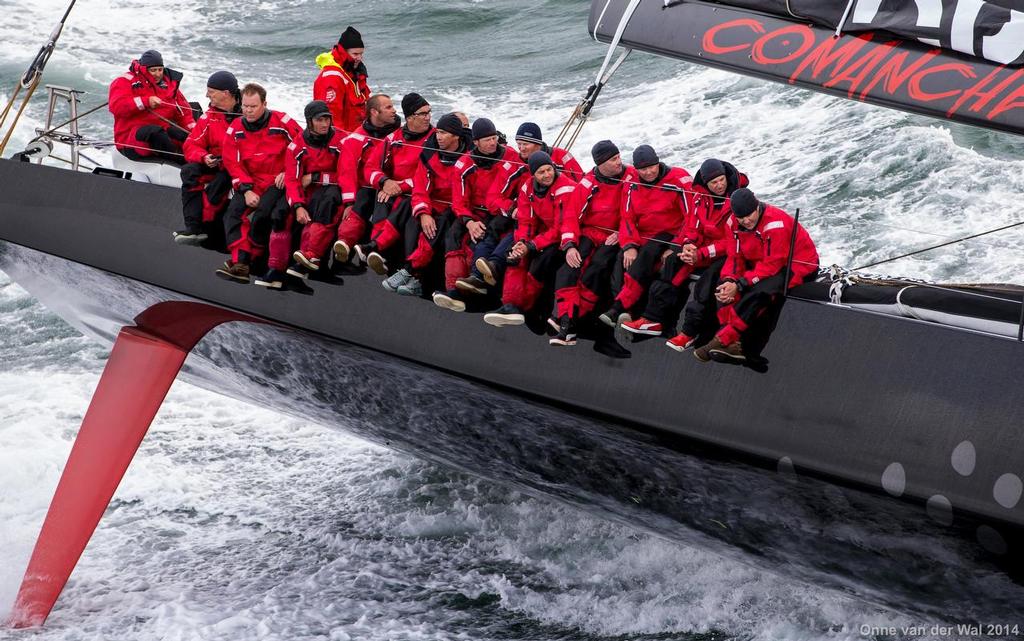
[(945, 244)]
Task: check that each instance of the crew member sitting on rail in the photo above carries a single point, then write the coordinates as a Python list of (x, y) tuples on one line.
[(591, 232), (657, 201), (314, 199), (704, 240), (489, 255), (357, 195), (754, 273), (390, 170), (431, 204), (151, 117), (342, 81), (204, 181), (544, 202), (255, 147), (476, 171)]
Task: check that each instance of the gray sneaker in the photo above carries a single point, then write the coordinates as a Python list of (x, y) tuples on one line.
[(396, 280), (411, 288)]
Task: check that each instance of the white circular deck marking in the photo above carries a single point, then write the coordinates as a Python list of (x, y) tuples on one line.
[(940, 509), (894, 479), (964, 458), (991, 540), (785, 466), (1007, 490)]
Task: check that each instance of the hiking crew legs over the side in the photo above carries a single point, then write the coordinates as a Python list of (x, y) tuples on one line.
[(456, 214)]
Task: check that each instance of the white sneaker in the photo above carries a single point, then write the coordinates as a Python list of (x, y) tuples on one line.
[(341, 251), (445, 301)]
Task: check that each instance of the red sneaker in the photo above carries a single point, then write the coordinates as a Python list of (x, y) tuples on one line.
[(680, 342), (643, 326), (312, 264)]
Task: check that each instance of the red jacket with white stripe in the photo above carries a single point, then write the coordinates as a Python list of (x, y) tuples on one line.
[(129, 102), (356, 150), (320, 162), (435, 175), (255, 158), (475, 175), (513, 173), (764, 251), (707, 225), (597, 208), (654, 208), (207, 137), (345, 93), (540, 219), (397, 159)]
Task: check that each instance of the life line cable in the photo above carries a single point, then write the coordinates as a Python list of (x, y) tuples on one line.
[(32, 76)]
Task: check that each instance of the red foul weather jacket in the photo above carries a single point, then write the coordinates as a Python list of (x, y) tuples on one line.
[(129, 102), (655, 208), (397, 159), (512, 174), (435, 175), (540, 219), (764, 251), (345, 92), (207, 137), (356, 149), (303, 158), (255, 158), (707, 226), (475, 175), (597, 208)]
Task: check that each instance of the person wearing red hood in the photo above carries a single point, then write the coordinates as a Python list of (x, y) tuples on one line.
[(255, 147), (314, 199), (754, 273), (543, 203), (591, 233), (476, 171), (151, 116), (390, 169), (357, 194), (432, 215), (342, 81), (703, 242), (657, 201), (204, 181)]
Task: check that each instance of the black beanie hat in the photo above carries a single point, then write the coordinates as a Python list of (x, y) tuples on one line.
[(538, 159), (451, 123), (482, 128), (316, 109), (351, 39), (223, 81), (645, 156), (530, 132), (710, 169), (743, 202), (151, 58), (603, 151), (411, 103)]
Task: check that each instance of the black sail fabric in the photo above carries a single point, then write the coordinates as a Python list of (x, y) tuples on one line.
[(992, 29)]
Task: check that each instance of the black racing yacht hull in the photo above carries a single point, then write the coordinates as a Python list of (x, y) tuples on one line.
[(873, 454)]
